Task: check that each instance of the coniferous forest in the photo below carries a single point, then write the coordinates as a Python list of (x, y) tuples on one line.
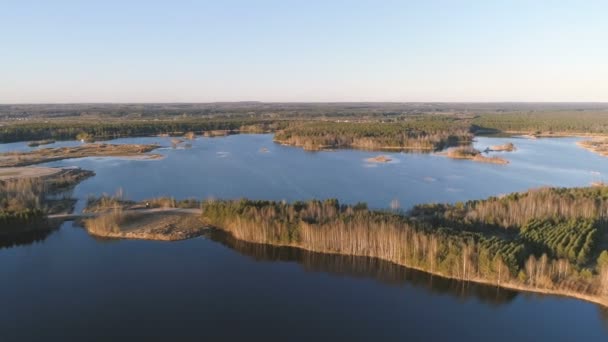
[(532, 242)]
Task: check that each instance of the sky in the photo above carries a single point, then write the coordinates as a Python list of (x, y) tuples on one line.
[(303, 51)]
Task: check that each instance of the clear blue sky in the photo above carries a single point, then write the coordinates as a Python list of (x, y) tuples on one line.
[(201, 51)]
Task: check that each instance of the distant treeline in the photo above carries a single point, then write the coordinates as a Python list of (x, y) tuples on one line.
[(317, 126), (547, 247), (274, 110), (582, 121), (429, 133), (69, 130)]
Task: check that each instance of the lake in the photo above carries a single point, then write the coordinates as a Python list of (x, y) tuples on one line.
[(67, 284)]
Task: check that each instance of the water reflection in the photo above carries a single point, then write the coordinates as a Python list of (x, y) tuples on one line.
[(363, 267), (23, 238)]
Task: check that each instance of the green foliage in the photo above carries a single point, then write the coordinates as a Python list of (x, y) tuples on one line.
[(430, 132), (68, 130), (573, 239), (587, 121), (553, 248)]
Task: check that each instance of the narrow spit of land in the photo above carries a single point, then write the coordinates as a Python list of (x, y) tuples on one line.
[(597, 145), (45, 155), (7, 173), (160, 218), (162, 224)]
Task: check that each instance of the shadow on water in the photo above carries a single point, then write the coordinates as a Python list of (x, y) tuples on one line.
[(24, 238), (364, 267)]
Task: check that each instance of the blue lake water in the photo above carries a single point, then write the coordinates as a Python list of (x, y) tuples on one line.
[(69, 285)]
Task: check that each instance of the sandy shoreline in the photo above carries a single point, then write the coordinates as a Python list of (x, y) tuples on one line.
[(596, 145), (27, 172)]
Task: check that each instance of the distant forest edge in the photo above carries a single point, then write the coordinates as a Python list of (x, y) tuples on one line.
[(550, 240), (421, 126), (99, 130)]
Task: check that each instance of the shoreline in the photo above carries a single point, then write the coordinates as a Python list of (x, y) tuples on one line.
[(510, 286), (18, 172), (185, 233), (329, 148), (601, 149), (102, 150)]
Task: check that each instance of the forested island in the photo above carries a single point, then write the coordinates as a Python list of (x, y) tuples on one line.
[(419, 134), (549, 240), (470, 153)]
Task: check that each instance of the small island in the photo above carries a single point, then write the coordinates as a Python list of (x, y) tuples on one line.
[(427, 134), (378, 159), (40, 143), (508, 147), (473, 154)]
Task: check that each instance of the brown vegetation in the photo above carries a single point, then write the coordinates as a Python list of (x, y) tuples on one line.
[(169, 225), (378, 159), (508, 147), (217, 133), (470, 153), (527, 259), (599, 146), (419, 134), (24, 202), (45, 155)]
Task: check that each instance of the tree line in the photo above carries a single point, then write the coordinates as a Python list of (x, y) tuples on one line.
[(580, 121), (431, 132), (102, 130), (562, 253)]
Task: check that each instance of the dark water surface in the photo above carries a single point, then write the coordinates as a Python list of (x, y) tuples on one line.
[(66, 285)]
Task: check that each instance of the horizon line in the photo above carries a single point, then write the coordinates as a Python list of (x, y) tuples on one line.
[(301, 102)]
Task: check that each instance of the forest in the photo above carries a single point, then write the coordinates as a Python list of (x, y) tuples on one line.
[(424, 133), (415, 126), (544, 247), (104, 130), (544, 122)]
